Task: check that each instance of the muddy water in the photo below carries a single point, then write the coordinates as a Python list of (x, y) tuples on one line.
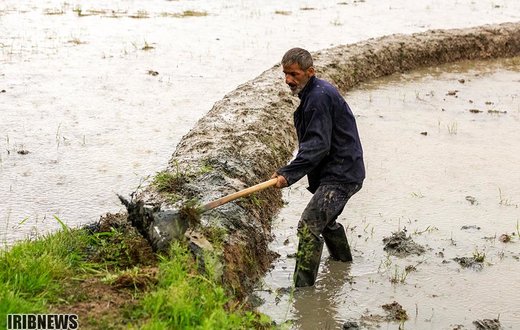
[(442, 153), (82, 97)]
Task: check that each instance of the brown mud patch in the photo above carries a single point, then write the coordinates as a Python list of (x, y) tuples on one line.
[(248, 134), (401, 245), (473, 262), (487, 324), (394, 312), (98, 304)]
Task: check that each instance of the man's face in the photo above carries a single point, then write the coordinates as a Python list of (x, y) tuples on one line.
[(297, 78)]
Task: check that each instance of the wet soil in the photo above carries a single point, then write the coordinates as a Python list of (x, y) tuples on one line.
[(401, 245), (98, 303)]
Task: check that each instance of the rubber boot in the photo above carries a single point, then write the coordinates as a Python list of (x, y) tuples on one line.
[(337, 244), (307, 260)]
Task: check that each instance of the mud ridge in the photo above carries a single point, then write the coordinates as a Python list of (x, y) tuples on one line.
[(249, 134)]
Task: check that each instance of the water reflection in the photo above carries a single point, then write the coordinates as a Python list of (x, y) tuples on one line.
[(317, 307)]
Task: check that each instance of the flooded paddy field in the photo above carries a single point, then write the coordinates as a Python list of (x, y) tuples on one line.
[(96, 95), (442, 153)]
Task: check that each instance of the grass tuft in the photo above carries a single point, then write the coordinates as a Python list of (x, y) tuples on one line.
[(186, 299)]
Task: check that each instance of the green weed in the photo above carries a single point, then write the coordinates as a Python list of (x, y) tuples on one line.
[(305, 247), (399, 276), (479, 256), (205, 167), (169, 182), (255, 200), (215, 235), (191, 211), (452, 128)]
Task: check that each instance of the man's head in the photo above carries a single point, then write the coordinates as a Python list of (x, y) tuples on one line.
[(298, 68)]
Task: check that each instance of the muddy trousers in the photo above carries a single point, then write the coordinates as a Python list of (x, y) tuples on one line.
[(318, 226)]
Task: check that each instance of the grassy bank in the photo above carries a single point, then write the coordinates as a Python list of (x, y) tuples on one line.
[(109, 277)]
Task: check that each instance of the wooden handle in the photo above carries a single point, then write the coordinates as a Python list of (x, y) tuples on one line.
[(238, 194)]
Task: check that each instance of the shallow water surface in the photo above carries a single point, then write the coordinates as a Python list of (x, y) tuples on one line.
[(442, 152), (100, 92)]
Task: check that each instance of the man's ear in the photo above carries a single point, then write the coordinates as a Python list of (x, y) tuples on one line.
[(310, 71)]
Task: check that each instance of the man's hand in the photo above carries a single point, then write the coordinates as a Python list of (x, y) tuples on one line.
[(282, 182)]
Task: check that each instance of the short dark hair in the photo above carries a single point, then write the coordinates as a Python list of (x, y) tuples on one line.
[(298, 55)]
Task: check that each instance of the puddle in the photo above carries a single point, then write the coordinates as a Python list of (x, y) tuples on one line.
[(426, 152)]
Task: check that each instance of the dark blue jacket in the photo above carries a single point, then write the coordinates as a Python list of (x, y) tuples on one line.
[(329, 150)]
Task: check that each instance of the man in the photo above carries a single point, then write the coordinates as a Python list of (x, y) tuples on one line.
[(331, 156)]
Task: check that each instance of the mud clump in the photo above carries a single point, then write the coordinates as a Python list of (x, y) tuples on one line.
[(351, 325), (190, 212), (401, 245), (473, 262), (115, 243), (470, 227), (487, 324), (504, 238), (395, 312)]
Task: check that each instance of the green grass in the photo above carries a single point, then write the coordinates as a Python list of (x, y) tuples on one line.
[(169, 182), (44, 276), (31, 272), (185, 298)]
